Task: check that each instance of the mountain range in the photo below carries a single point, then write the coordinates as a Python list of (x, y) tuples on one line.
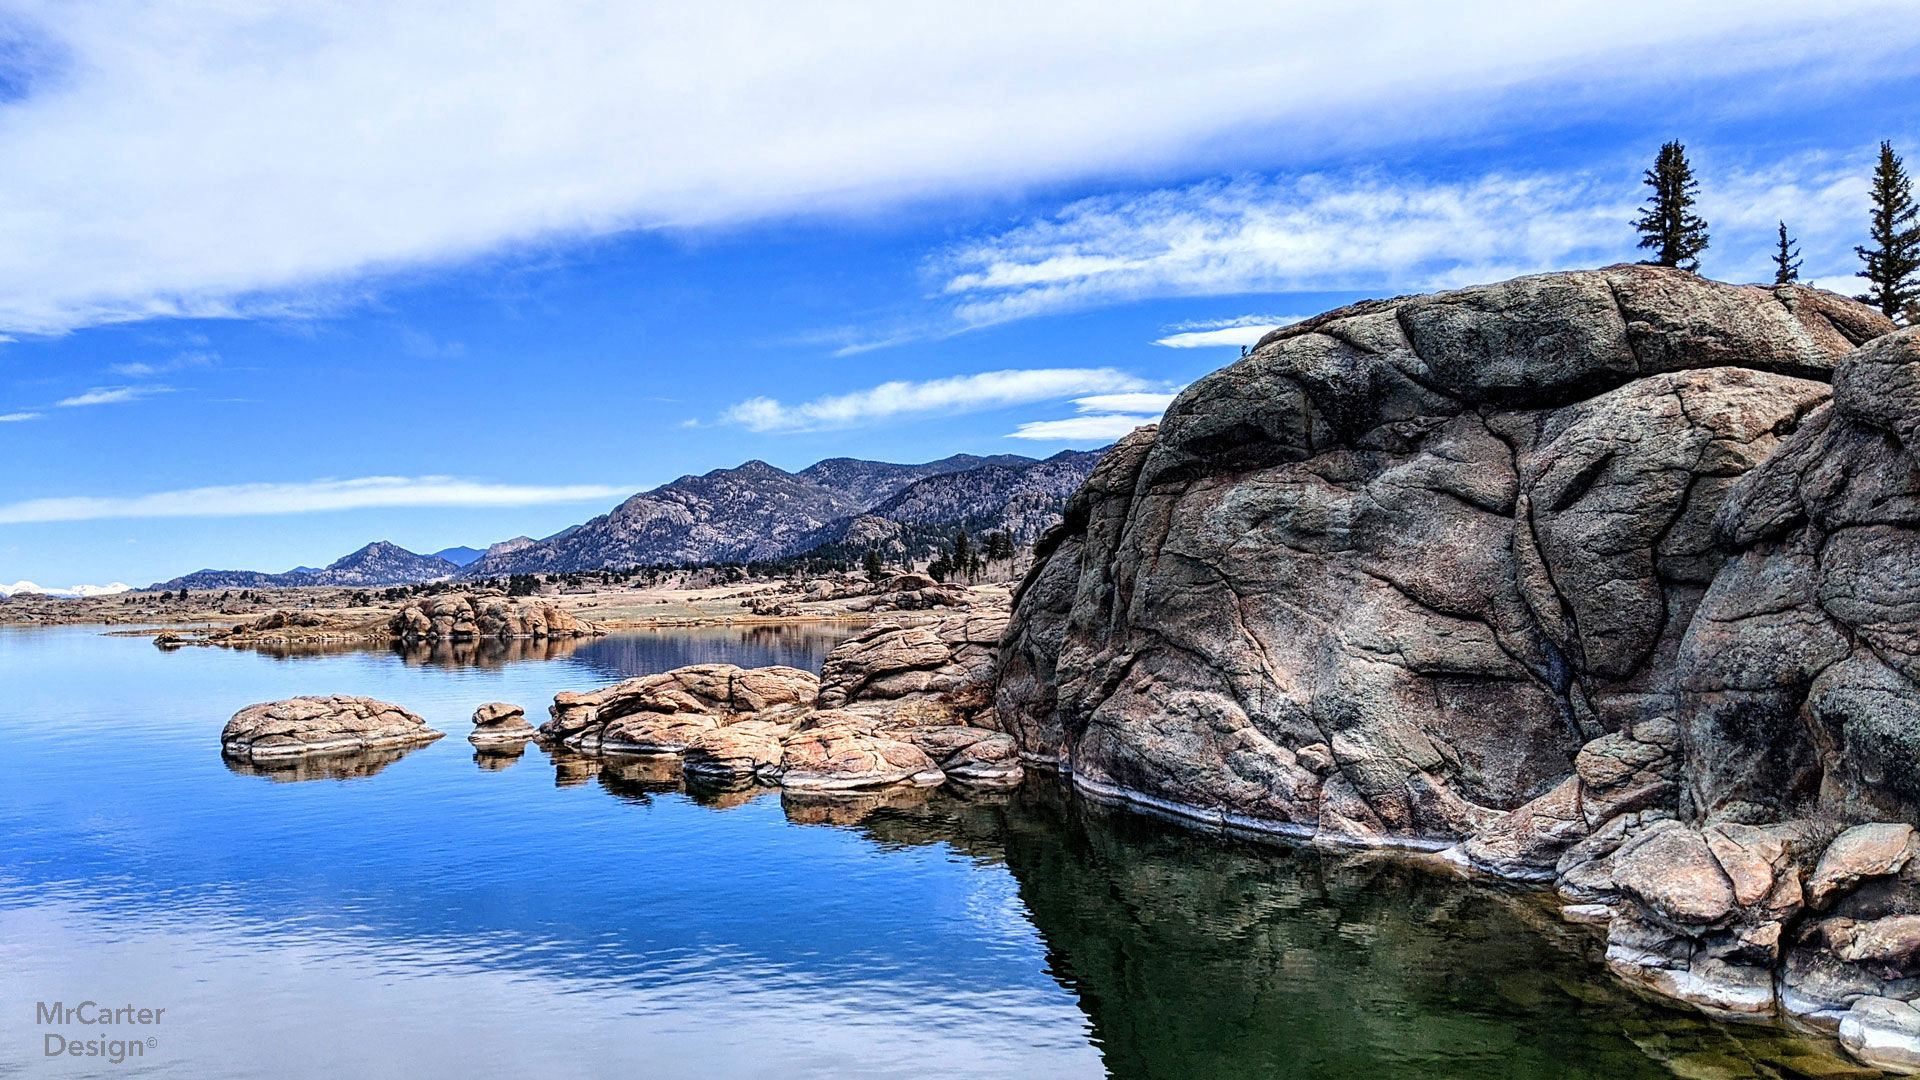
[(751, 512), (379, 563)]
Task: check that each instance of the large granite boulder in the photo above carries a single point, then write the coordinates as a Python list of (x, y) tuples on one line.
[(1383, 579), (339, 724), (665, 712), (1589, 578), (741, 751)]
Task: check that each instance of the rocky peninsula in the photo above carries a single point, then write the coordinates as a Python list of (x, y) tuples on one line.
[(1604, 581)]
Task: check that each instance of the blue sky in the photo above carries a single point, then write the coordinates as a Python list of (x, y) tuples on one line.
[(276, 283)]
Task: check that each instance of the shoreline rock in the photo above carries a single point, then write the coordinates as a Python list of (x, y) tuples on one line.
[(1588, 579)]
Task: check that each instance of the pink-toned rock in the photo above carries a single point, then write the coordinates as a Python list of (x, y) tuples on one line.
[(661, 713), (320, 725), (1864, 851), (499, 723), (1892, 943), (844, 751), (1672, 874), (739, 751), (935, 674), (970, 754)]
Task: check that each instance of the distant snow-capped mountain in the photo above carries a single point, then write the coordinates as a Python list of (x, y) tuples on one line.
[(75, 590)]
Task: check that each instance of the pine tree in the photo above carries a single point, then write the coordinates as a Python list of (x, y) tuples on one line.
[(1786, 261), (1669, 225), (873, 566), (1893, 262)]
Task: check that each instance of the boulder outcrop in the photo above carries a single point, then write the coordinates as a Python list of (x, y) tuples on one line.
[(897, 703), (301, 726), (839, 750), (460, 617), (1607, 578), (499, 724), (914, 674), (663, 713)]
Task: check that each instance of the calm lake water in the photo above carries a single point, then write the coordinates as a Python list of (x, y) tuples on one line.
[(443, 914)]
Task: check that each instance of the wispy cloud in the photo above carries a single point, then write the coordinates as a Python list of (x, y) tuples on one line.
[(16, 417), (1310, 233), (274, 173), (181, 361), (247, 500), (1245, 330), (1155, 403), (1080, 428), (960, 393), (1105, 417), (111, 395), (1374, 233)]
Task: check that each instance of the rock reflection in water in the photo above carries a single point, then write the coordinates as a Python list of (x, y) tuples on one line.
[(621, 654), (497, 756), (1195, 956), (1202, 957), (636, 652), (351, 766), (486, 653)]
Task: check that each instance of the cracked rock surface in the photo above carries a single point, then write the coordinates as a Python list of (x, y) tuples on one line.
[(1609, 579), (1385, 577)]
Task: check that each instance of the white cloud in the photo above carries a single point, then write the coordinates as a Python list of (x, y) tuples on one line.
[(1144, 402), (1081, 428), (960, 393), (245, 500), (16, 417), (111, 395), (1311, 233), (1370, 232), (193, 358), (1844, 284), (1236, 332), (298, 150)]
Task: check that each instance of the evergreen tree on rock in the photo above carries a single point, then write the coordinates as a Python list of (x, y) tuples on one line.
[(1893, 259), (1669, 226), (1786, 261)]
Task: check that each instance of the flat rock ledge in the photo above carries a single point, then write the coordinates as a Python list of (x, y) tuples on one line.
[(338, 724)]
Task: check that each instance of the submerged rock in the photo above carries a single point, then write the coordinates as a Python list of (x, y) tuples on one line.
[(320, 725)]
